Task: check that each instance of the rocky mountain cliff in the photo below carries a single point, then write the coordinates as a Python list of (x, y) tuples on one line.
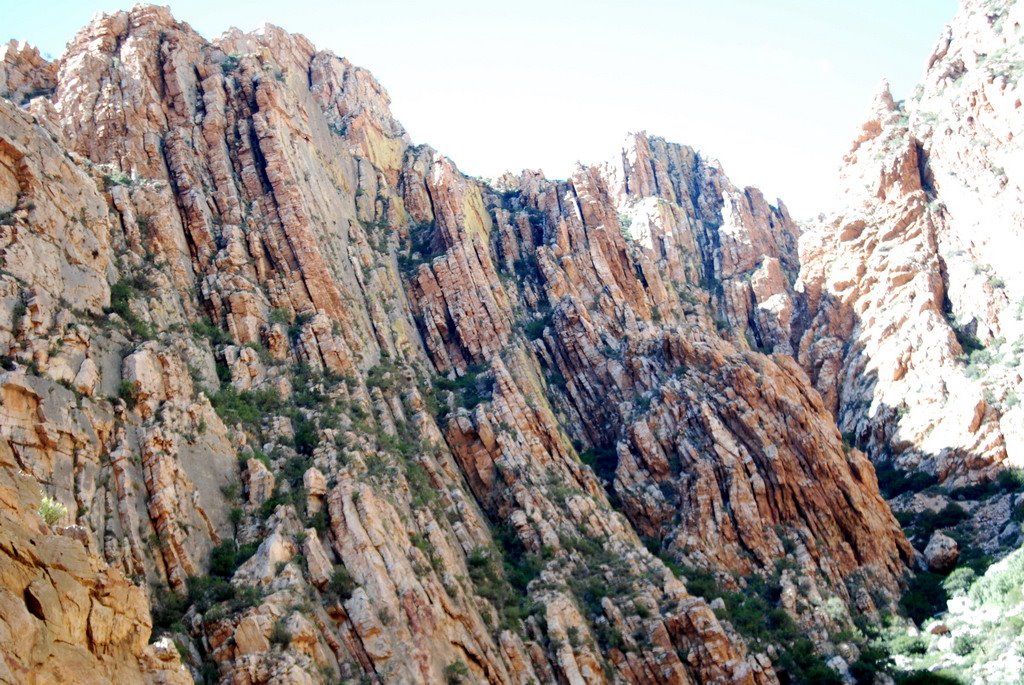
[(336, 411)]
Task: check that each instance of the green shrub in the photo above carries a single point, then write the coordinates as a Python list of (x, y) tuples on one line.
[(976, 491), (963, 645), (894, 481), (116, 178), (534, 328), (1008, 480), (230, 63), (18, 312), (466, 387), (127, 392), (456, 672), (205, 591), (503, 573), (206, 329), (228, 556), (1002, 585), (1011, 479), (306, 436), (51, 511), (872, 661), (247, 407), (950, 515), (924, 597), (168, 608), (279, 633), (121, 294), (959, 581), (908, 644), (295, 329), (603, 460), (341, 586)]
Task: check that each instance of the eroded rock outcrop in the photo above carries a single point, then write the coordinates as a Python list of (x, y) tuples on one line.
[(65, 616), (344, 412), (909, 301)]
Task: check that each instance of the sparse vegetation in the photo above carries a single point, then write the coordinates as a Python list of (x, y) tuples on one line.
[(502, 574), (894, 481), (128, 392), (341, 585), (467, 388), (603, 460), (279, 633), (52, 511), (456, 672), (121, 294), (228, 556), (756, 613)]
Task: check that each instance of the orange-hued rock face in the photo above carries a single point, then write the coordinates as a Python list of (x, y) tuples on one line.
[(65, 616), (321, 407), (911, 329)]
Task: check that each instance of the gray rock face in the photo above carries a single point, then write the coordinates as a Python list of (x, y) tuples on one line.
[(941, 553)]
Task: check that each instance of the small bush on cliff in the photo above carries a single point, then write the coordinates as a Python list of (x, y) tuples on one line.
[(280, 315), (456, 672), (205, 591), (1011, 479), (127, 392), (922, 525), (533, 329), (502, 574), (228, 556), (168, 609), (52, 511), (116, 178), (204, 328), (341, 586), (121, 294), (247, 407), (603, 460), (230, 63), (279, 634), (466, 387)]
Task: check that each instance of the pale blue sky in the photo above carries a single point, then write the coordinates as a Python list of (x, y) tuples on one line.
[(773, 88)]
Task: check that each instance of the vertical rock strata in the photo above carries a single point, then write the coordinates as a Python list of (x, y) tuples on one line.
[(338, 411)]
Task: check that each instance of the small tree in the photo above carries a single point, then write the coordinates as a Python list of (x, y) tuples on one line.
[(51, 510)]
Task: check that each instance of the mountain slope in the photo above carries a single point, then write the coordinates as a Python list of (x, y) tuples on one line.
[(346, 413)]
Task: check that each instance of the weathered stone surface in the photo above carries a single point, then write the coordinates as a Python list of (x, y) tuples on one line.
[(259, 481), (428, 427), (64, 614), (941, 553), (24, 74), (908, 291)]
